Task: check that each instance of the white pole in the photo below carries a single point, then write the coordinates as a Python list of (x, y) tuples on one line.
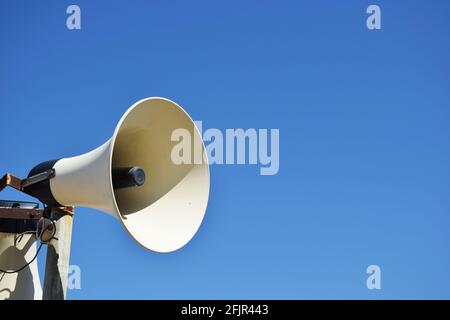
[(58, 256), (24, 285)]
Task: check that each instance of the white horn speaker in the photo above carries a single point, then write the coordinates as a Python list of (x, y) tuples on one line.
[(164, 208)]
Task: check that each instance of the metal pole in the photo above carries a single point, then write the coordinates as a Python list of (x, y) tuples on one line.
[(58, 255)]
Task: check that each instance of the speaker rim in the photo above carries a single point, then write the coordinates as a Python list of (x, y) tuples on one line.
[(111, 151)]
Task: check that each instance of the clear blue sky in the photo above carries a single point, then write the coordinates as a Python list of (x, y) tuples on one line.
[(364, 119)]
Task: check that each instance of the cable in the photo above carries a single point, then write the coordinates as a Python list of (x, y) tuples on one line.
[(19, 236), (26, 265), (37, 252)]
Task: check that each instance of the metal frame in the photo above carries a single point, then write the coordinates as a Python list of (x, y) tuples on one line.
[(58, 252), (9, 180)]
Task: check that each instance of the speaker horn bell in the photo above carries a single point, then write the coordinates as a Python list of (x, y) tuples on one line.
[(165, 211)]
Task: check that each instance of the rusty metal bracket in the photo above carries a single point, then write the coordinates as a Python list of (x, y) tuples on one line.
[(8, 180), (61, 212), (37, 178), (21, 213), (35, 214)]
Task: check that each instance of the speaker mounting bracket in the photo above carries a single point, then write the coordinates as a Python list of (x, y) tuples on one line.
[(9, 180), (20, 213)]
